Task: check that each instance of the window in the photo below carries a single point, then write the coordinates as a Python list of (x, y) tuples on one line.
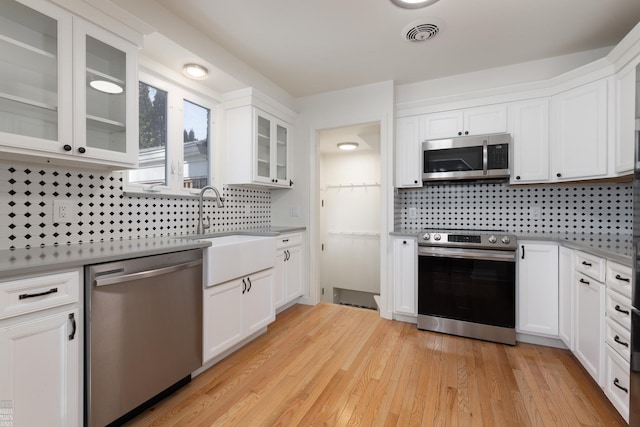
[(175, 140)]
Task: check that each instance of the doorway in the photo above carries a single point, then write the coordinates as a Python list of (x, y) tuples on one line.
[(349, 215)]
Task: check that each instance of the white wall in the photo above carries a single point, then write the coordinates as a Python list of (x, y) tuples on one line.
[(363, 104)]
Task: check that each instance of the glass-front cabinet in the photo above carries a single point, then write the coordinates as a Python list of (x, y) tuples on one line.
[(271, 145), (64, 87)]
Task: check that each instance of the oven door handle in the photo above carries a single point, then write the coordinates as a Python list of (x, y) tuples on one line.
[(487, 255)]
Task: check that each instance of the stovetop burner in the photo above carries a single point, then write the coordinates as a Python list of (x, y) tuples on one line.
[(479, 239)]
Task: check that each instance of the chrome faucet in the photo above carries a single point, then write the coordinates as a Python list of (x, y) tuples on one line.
[(220, 202)]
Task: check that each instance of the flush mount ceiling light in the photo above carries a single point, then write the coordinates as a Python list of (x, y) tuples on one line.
[(348, 146), (195, 71), (106, 86), (413, 4)]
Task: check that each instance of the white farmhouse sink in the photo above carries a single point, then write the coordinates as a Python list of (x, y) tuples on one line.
[(230, 257)]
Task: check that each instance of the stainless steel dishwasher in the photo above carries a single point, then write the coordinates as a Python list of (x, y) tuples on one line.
[(143, 332)]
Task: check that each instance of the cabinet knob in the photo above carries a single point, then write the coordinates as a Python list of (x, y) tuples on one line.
[(466, 132), (559, 175), (67, 147), (459, 133), (82, 150), (518, 177), (415, 182), (404, 242)]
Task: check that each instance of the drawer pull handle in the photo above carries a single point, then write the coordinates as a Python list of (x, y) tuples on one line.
[(617, 339), (616, 383), (285, 240), (622, 279), (50, 291), (73, 326), (244, 286), (618, 309), (585, 282), (588, 264)]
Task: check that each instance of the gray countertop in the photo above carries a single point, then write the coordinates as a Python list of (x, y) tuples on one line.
[(15, 262), (616, 248)]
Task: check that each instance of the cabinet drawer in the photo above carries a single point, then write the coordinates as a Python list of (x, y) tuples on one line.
[(618, 338), (619, 278), (31, 294), (618, 308), (287, 240), (590, 265), (616, 385)]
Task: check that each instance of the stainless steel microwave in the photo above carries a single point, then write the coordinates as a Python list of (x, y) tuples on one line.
[(467, 157)]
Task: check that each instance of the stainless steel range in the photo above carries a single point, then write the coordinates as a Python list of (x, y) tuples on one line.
[(467, 284)]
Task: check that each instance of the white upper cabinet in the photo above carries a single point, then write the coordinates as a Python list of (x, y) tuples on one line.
[(47, 109), (580, 132), (626, 89), (470, 121), (408, 152), (529, 129), (258, 147)]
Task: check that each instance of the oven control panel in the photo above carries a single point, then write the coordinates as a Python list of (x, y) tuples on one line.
[(496, 240)]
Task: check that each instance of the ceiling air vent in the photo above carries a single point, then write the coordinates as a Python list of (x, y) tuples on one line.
[(420, 31)]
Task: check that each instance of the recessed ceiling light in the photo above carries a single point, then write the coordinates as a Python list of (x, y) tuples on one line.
[(413, 4), (106, 86), (195, 71), (348, 146)]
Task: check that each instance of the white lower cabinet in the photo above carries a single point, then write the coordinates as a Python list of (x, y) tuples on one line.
[(589, 334), (40, 350), (538, 288), (236, 309), (566, 298), (616, 385), (288, 269), (405, 274)]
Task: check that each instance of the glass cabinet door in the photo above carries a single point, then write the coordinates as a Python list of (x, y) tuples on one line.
[(106, 93), (263, 147), (281, 153), (35, 75)]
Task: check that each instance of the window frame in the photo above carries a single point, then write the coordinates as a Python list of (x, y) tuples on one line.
[(174, 166)]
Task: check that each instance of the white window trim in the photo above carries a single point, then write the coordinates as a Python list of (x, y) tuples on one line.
[(176, 94)]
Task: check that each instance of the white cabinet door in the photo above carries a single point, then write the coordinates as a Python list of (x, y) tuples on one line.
[(442, 125), (529, 128), (105, 123), (259, 310), (293, 283), (589, 335), (579, 132), (408, 152), (626, 91), (222, 318), (280, 279), (471, 121), (566, 284), (538, 289), (485, 120), (40, 368), (405, 258)]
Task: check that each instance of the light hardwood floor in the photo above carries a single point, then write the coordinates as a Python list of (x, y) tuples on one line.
[(333, 365)]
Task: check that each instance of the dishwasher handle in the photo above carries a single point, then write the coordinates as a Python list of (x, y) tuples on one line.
[(103, 281)]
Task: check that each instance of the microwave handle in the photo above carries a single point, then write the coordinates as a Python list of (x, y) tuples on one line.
[(485, 157)]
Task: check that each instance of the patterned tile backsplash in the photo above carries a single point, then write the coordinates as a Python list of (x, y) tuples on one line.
[(101, 211), (565, 208)]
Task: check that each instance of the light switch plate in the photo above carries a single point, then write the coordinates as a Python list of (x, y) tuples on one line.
[(413, 212), (294, 211), (535, 212)]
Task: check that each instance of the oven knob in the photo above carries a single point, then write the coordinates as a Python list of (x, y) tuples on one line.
[(436, 237), (506, 240), (426, 236), (492, 239)]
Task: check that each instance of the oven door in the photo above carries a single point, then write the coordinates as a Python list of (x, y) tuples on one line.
[(477, 286)]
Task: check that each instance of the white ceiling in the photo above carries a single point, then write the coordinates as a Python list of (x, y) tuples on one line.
[(313, 46)]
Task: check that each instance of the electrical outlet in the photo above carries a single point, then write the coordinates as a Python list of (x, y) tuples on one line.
[(535, 212), (62, 211), (247, 210), (294, 211), (413, 213)]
